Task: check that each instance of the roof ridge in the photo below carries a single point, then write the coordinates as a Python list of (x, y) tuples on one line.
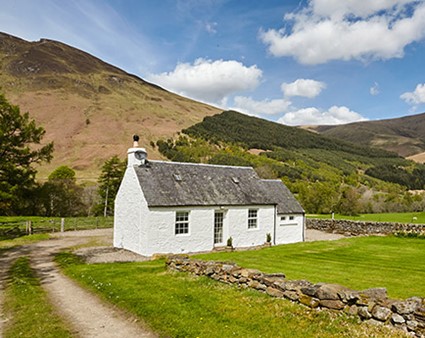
[(203, 164)]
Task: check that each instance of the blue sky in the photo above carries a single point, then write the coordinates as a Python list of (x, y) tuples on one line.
[(295, 62)]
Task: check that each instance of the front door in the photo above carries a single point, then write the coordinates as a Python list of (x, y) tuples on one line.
[(218, 227)]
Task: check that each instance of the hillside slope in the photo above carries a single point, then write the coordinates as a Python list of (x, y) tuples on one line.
[(326, 174), (90, 109), (405, 135)]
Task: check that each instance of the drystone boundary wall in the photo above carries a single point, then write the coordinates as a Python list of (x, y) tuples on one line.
[(370, 305), (355, 228)]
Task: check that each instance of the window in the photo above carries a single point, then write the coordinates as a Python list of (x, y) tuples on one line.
[(182, 222), (283, 218), (291, 218), (252, 218)]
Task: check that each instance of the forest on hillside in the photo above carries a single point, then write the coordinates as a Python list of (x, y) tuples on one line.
[(325, 174)]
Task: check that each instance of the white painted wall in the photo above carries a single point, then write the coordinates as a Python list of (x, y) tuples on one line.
[(162, 237), (289, 231), (130, 214), (237, 221)]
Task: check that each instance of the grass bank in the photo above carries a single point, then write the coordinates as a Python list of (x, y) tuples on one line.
[(180, 305), (27, 306), (358, 263), (405, 217)]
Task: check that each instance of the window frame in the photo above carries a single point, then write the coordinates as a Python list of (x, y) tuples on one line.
[(252, 219), (181, 223)]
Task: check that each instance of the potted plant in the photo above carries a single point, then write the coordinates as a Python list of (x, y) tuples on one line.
[(268, 239), (230, 243)]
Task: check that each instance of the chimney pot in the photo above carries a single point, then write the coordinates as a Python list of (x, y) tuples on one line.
[(136, 141)]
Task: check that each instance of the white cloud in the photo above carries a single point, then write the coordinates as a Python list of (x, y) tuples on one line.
[(328, 30), (374, 90), (314, 116), (415, 97), (211, 27), (208, 80), (249, 106), (338, 8), (303, 87)]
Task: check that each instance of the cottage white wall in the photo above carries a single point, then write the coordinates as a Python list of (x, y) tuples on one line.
[(289, 231), (130, 215), (237, 220), (161, 234), (161, 237)]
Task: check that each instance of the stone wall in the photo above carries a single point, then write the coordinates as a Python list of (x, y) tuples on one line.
[(370, 305), (354, 228)]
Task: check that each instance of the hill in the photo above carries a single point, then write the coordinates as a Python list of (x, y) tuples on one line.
[(405, 135), (89, 108), (327, 174)]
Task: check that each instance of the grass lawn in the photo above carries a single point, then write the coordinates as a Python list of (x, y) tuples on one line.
[(180, 305), (397, 264), (406, 217), (26, 304)]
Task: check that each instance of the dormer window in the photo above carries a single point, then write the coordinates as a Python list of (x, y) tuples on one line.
[(235, 180)]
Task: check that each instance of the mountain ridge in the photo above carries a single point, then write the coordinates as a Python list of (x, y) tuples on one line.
[(404, 135), (89, 108)]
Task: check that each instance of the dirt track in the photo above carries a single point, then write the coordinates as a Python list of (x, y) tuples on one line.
[(88, 316)]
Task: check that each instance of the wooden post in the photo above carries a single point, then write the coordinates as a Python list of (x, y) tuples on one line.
[(62, 224), (29, 227)]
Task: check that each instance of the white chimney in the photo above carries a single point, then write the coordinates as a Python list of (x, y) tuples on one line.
[(136, 156)]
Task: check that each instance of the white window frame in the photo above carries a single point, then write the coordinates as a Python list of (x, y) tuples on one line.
[(181, 224), (252, 219)]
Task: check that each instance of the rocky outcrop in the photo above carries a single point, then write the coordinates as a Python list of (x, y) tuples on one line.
[(371, 305)]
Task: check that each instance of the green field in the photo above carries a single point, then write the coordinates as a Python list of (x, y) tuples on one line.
[(179, 305), (407, 217), (16, 226), (397, 264)]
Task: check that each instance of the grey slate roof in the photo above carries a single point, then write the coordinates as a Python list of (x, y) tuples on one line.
[(166, 184), (286, 202)]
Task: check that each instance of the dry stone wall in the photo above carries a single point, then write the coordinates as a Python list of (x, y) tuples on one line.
[(355, 228), (370, 305)]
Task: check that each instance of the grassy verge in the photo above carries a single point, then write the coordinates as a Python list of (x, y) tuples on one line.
[(8, 243), (358, 263), (25, 302), (179, 305), (407, 217)]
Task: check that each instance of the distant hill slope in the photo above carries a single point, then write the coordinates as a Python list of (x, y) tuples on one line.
[(90, 109), (253, 132), (327, 174), (405, 135)]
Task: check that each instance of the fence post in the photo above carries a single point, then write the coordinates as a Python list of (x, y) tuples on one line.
[(29, 227), (62, 224)]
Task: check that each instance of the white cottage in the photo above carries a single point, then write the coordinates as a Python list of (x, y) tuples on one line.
[(170, 207)]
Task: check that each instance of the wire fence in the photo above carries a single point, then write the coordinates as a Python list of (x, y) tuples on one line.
[(20, 226)]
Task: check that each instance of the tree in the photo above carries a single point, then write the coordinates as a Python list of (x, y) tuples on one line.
[(109, 181), (62, 194), (18, 135)]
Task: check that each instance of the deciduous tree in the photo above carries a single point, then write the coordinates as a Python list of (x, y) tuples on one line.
[(20, 149)]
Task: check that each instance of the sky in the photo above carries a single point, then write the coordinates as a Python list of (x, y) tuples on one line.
[(294, 62)]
